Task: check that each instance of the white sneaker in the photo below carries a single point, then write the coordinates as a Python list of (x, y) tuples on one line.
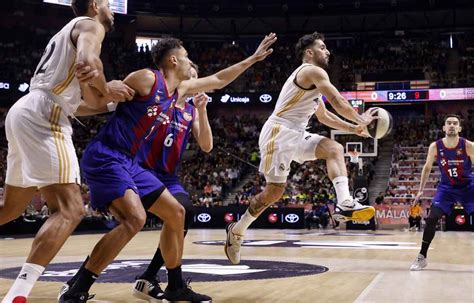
[(419, 263), (63, 290), (148, 290), (352, 210), (232, 245)]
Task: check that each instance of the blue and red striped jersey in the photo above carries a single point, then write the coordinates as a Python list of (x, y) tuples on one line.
[(134, 120), (454, 164), (163, 149)]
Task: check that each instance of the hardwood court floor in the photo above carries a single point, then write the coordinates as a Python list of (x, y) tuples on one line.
[(363, 266)]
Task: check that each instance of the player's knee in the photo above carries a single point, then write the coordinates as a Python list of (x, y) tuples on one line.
[(176, 219), (335, 149), (134, 222)]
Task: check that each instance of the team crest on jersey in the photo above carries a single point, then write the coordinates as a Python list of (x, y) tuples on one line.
[(282, 167), (459, 152), (152, 111), (187, 117), (157, 99)]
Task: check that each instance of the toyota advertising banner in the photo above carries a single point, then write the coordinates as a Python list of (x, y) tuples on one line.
[(218, 217)]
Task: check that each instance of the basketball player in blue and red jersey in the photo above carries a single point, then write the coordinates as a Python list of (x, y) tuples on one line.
[(454, 156), (117, 182), (161, 153)]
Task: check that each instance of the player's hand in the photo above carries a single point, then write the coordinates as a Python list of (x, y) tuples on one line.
[(200, 101), (119, 92), (368, 116), (417, 198), (85, 73), (361, 131), (263, 49)]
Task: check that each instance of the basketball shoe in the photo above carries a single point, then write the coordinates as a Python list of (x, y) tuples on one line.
[(80, 297), (419, 263), (185, 294), (148, 290), (232, 244), (352, 210)]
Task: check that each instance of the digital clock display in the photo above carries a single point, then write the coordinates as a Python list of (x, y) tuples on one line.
[(407, 95)]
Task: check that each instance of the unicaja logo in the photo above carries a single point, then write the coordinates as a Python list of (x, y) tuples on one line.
[(225, 98), (265, 98), (292, 218), (204, 217)]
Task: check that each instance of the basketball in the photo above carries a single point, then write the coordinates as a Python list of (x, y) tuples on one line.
[(382, 126)]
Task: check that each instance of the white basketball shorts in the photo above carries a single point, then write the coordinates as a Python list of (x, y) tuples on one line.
[(40, 148), (281, 143)]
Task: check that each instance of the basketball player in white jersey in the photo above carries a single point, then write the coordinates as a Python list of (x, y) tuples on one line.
[(41, 154), (283, 139)]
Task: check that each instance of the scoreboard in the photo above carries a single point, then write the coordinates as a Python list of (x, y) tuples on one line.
[(411, 95), (117, 6)]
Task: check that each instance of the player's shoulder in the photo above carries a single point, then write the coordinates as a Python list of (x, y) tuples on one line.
[(311, 69)]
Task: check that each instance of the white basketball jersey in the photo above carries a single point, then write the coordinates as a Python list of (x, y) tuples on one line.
[(55, 72), (297, 104)]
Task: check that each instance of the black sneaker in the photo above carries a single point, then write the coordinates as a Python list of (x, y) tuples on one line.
[(148, 290), (185, 294), (80, 297)]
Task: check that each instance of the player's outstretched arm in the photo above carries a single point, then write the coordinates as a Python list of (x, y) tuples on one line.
[(319, 77), (329, 119), (201, 128), (229, 74), (425, 173)]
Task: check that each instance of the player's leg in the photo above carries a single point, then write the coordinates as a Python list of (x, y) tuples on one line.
[(171, 245), (347, 208), (15, 201), (147, 285), (428, 234), (131, 214), (42, 138)]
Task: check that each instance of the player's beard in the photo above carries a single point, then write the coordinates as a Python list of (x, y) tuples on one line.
[(452, 134)]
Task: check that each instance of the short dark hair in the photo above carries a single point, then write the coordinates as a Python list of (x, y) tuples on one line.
[(80, 7), (453, 116), (162, 48), (305, 42)]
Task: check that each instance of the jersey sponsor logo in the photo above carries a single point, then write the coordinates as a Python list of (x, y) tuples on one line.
[(265, 98), (152, 111), (187, 117), (199, 270), (443, 162)]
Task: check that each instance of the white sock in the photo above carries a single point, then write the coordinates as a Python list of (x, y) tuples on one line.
[(25, 281), (341, 184), (241, 227)]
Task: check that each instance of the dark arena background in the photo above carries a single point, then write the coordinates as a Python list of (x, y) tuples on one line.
[(414, 59)]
